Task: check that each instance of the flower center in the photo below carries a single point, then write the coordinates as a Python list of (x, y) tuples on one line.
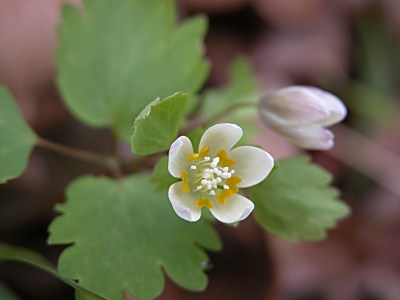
[(211, 178)]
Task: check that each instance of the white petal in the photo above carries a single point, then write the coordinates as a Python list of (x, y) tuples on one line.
[(220, 136), (294, 105), (235, 209), (184, 204), (178, 155), (252, 164), (311, 137), (337, 109)]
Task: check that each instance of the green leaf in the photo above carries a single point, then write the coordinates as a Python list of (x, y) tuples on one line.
[(296, 202), (16, 139), (374, 95), (241, 91), (81, 296), (195, 136), (157, 126), (125, 236), (376, 53), (116, 56), (13, 253), (241, 88), (161, 178), (371, 103)]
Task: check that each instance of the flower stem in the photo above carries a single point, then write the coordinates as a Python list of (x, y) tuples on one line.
[(85, 156)]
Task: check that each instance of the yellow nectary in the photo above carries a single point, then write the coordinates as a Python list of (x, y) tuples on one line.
[(210, 178)]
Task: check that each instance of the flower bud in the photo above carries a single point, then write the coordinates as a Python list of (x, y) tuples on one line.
[(301, 113)]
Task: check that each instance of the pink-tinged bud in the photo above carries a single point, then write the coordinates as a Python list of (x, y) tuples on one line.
[(301, 113)]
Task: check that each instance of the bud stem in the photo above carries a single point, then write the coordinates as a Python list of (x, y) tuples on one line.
[(227, 112)]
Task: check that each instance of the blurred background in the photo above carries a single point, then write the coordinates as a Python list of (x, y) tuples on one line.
[(348, 47)]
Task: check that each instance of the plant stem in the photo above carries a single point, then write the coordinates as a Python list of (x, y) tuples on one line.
[(227, 112), (208, 122), (85, 156), (118, 169)]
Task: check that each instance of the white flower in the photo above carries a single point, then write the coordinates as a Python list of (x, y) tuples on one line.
[(301, 113), (212, 176)]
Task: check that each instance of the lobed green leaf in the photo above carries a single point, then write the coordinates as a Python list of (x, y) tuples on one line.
[(296, 202), (18, 254), (116, 56), (125, 236), (157, 126), (160, 177), (16, 139)]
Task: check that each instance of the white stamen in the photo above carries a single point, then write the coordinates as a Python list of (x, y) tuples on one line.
[(212, 175), (226, 175)]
